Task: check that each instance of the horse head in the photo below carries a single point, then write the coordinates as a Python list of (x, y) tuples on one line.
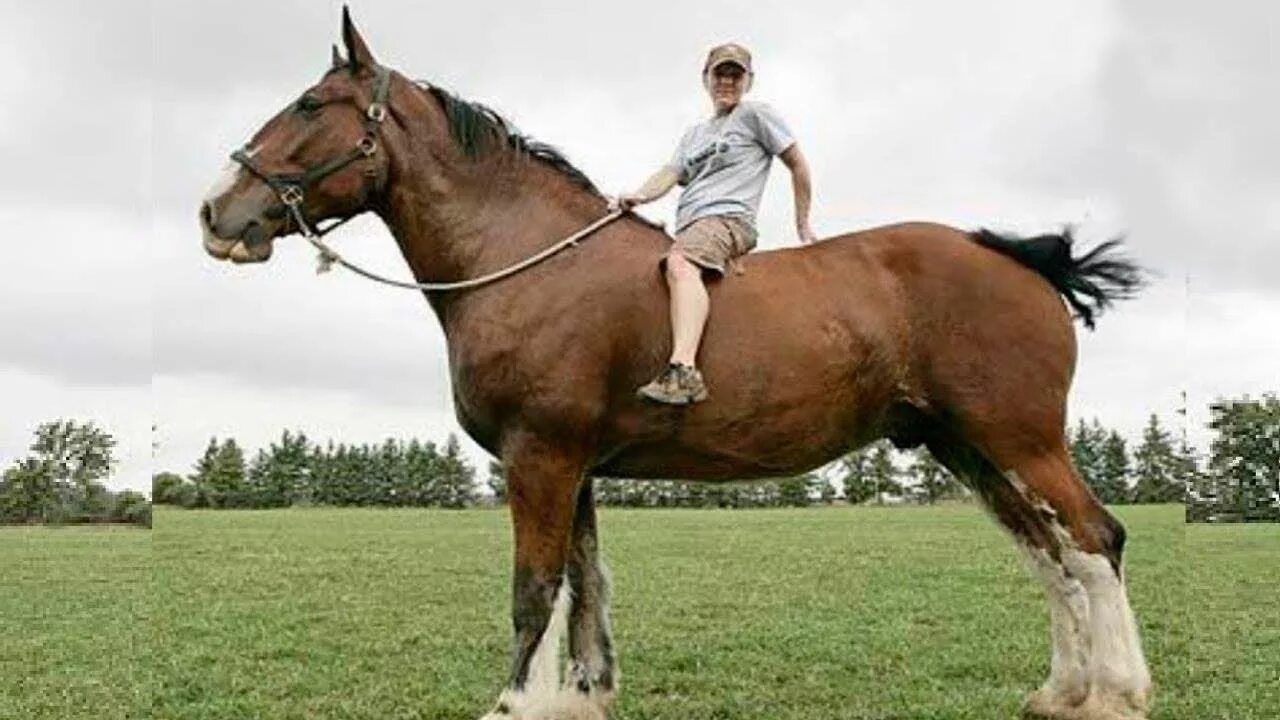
[(319, 158)]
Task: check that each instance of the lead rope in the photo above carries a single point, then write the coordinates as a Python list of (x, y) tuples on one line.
[(328, 256)]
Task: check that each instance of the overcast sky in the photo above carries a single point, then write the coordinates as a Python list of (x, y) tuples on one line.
[(1153, 119)]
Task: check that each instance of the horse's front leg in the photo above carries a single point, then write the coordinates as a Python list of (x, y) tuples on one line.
[(542, 487), (593, 670)]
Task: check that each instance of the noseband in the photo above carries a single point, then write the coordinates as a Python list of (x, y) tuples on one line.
[(289, 187)]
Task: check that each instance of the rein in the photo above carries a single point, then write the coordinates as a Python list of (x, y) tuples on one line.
[(289, 189), (328, 257)]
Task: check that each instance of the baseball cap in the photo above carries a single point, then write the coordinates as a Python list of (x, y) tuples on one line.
[(726, 53)]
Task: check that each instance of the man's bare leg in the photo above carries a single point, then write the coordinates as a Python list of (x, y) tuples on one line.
[(689, 308), (681, 383)]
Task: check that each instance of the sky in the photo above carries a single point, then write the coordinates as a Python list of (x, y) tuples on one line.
[(1152, 120)]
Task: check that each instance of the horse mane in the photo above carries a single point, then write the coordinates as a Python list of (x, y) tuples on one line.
[(1101, 276), (474, 128)]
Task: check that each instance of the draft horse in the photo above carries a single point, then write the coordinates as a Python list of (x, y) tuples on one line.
[(917, 332)]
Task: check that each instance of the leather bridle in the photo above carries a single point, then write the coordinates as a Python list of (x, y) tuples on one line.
[(290, 187)]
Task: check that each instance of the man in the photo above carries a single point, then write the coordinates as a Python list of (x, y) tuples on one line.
[(722, 163)]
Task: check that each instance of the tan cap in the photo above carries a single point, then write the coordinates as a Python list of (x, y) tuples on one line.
[(729, 52)]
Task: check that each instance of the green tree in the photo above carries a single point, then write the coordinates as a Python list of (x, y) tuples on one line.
[(497, 481), (28, 493), (883, 473), (280, 476), (798, 490), (1086, 443), (931, 481), (76, 455), (854, 473), (1112, 481), (129, 506), (166, 488), (1156, 467), (220, 476), (456, 479), (1244, 459)]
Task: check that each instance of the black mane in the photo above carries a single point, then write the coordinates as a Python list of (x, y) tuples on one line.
[(473, 126)]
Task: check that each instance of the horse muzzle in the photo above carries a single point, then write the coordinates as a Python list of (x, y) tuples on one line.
[(252, 244)]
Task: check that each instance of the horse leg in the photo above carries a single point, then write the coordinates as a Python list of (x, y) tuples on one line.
[(542, 484), (1074, 546), (1090, 558), (592, 670)]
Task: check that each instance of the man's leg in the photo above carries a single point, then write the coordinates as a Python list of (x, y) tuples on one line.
[(689, 308), (681, 383)]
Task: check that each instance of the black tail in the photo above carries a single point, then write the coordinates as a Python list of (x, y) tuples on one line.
[(1089, 283)]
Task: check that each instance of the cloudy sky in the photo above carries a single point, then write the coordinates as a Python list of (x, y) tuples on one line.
[(1153, 119)]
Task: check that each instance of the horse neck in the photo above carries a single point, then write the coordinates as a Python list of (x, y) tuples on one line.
[(456, 218)]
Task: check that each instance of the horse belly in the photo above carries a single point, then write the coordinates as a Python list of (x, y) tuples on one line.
[(769, 427)]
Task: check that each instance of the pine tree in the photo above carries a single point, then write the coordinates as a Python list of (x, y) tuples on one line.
[(204, 469), (883, 473), (1113, 479), (1086, 443), (497, 482), (456, 478), (280, 476), (1156, 466), (226, 482)]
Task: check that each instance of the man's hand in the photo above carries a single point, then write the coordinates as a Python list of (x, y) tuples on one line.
[(626, 201), (805, 233)]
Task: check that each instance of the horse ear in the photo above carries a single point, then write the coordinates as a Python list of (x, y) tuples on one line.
[(358, 54), (337, 56)]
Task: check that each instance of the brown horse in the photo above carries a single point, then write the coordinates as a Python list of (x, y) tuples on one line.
[(917, 332)]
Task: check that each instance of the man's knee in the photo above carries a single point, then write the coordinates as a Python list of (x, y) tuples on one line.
[(681, 269)]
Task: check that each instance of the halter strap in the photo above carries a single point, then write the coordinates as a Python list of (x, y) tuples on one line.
[(290, 187)]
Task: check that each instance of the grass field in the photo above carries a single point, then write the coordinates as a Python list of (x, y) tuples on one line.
[(898, 613)]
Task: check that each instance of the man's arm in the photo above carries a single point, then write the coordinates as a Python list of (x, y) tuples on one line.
[(658, 184), (803, 189)]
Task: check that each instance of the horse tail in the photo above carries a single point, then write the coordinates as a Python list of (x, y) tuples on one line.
[(1089, 283)]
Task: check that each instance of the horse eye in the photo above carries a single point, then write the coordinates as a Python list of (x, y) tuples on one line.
[(309, 105)]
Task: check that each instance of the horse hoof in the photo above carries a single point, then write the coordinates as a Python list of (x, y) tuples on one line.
[(565, 705), (1044, 704), (1050, 704)]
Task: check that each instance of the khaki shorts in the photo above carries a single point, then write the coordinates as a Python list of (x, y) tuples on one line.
[(712, 242)]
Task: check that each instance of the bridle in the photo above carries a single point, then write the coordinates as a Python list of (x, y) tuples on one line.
[(289, 187)]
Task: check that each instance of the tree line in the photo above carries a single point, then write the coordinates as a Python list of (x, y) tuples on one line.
[(295, 471), (1236, 481), (59, 481)]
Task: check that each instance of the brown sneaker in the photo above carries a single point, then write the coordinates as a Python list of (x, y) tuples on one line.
[(676, 385)]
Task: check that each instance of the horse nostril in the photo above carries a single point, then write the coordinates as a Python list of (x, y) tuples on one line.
[(253, 233), (206, 215)]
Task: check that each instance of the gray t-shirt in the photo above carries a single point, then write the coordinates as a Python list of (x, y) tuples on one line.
[(723, 162)]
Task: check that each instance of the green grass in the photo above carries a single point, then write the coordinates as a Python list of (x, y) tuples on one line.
[(74, 622), (905, 613)]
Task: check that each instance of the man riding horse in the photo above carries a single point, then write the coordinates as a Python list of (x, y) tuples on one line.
[(961, 341), (722, 163)]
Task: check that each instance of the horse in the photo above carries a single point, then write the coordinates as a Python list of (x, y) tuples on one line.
[(917, 332)]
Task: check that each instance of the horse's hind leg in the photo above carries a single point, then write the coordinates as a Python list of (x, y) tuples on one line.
[(592, 666), (1075, 547)]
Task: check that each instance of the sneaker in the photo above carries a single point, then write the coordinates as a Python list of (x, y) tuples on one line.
[(676, 385)]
